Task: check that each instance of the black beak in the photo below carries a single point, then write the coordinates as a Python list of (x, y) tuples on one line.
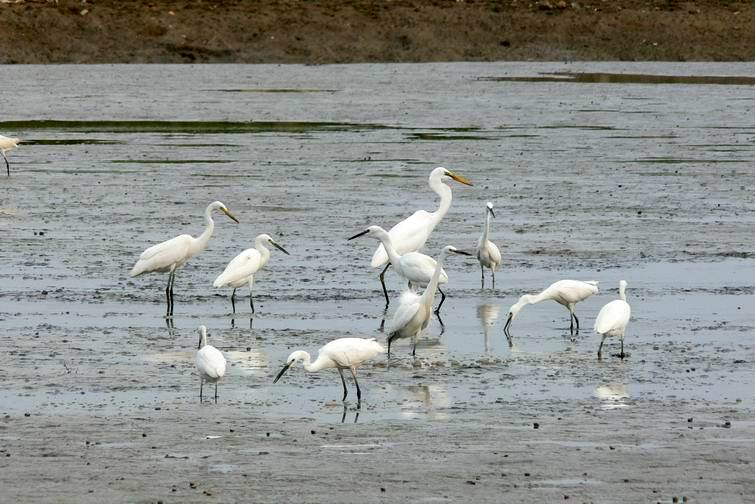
[(508, 323), (461, 252), (491, 212), (280, 248), (285, 368), (359, 234)]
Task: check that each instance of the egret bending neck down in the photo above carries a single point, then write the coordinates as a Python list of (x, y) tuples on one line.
[(170, 255)]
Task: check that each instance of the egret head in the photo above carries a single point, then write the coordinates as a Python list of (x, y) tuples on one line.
[(514, 311), (623, 285), (450, 249), (489, 207), (268, 240), (443, 174), (372, 231), (295, 357), (202, 337), (217, 205)]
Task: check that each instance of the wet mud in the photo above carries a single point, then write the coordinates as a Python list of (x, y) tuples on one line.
[(652, 184)]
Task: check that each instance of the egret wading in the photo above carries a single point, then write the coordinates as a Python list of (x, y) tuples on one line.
[(487, 252), (344, 353), (210, 363), (170, 255), (7, 144), (410, 234), (565, 292), (414, 310), (242, 268), (415, 267), (613, 319)]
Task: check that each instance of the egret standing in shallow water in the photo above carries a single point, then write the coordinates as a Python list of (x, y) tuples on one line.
[(210, 363), (487, 252), (172, 254), (7, 144), (410, 234), (565, 292), (241, 270), (415, 267), (414, 311), (343, 353), (613, 318)]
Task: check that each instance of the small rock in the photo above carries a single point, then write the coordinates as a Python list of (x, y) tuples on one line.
[(382, 489), (536, 425)]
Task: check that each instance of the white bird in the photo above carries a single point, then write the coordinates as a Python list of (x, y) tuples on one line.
[(242, 268), (343, 353), (613, 318), (7, 144), (414, 310), (565, 292), (410, 234), (487, 252), (172, 254), (415, 267), (210, 363)]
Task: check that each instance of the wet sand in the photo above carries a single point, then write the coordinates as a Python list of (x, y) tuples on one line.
[(649, 183)]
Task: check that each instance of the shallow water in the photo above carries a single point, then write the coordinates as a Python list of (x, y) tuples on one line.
[(645, 182)]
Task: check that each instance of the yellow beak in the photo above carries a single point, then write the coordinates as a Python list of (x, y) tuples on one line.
[(459, 178), (229, 214)]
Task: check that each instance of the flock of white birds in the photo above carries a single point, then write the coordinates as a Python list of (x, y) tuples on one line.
[(399, 248)]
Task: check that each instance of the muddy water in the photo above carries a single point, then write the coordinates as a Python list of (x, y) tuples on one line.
[(648, 181)]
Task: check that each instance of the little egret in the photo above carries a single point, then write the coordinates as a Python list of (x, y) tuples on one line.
[(415, 267), (410, 234), (7, 144), (564, 292), (613, 318), (487, 252), (414, 310), (343, 353), (210, 363), (172, 254), (241, 270)]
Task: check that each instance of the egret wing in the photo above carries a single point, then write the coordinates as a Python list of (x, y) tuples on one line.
[(574, 290), (419, 268), (242, 266), (493, 252), (614, 315), (408, 306), (162, 256), (210, 362), (347, 352), (409, 235)]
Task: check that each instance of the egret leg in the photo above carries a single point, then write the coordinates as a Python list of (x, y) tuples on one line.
[(482, 276), (571, 322), (576, 320), (343, 381), (442, 299), (201, 384), (493, 273), (601, 346), (622, 349), (359, 392), (251, 286), (382, 282), (169, 293), (7, 166), (390, 340), (414, 348), (343, 417), (442, 325), (216, 392), (233, 301)]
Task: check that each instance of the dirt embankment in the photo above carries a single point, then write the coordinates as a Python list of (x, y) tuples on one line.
[(343, 31)]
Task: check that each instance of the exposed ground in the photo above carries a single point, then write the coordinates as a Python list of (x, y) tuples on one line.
[(335, 31)]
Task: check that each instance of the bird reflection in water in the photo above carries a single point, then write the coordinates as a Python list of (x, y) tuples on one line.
[(488, 315), (612, 395)]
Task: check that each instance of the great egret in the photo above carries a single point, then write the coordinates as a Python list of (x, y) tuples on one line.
[(210, 363), (487, 252), (7, 144), (343, 353), (414, 310), (172, 254), (410, 234), (415, 267), (565, 292), (613, 318), (241, 270)]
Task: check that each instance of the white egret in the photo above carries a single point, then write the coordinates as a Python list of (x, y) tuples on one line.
[(410, 234), (415, 267), (565, 292), (210, 363), (241, 270), (414, 310), (613, 318), (487, 252), (7, 144), (172, 254), (343, 353)]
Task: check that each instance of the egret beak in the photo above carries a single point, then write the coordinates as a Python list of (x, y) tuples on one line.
[(491, 212), (461, 252), (459, 178), (508, 323), (285, 368), (359, 234), (229, 214), (279, 247)]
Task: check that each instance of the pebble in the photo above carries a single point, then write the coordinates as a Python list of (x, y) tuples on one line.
[(536, 425)]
